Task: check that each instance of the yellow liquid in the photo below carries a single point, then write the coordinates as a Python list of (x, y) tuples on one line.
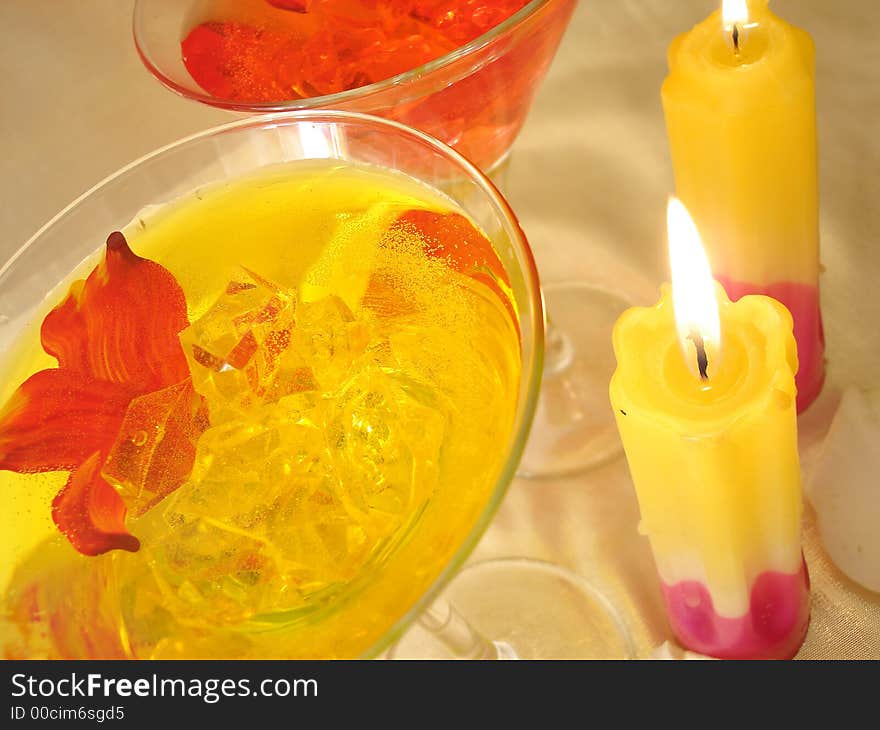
[(317, 514)]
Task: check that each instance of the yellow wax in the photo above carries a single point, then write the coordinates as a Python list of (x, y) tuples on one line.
[(715, 463), (742, 135)]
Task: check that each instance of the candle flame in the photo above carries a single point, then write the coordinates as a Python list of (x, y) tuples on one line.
[(693, 291), (734, 12)]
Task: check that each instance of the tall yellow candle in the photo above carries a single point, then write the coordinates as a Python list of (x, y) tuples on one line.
[(704, 398), (740, 115)]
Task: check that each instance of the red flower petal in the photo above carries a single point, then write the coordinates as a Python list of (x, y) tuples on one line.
[(121, 324), (90, 513), (57, 418)]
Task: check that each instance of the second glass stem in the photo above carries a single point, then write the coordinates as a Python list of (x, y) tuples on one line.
[(457, 635)]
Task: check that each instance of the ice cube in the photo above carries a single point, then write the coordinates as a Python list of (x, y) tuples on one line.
[(154, 451), (285, 380), (249, 304), (385, 444), (298, 497), (463, 20), (233, 349), (219, 573), (329, 451), (265, 494), (236, 449), (328, 339)]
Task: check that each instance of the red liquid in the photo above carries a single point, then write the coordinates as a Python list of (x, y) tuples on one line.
[(308, 48), (773, 628), (327, 46)]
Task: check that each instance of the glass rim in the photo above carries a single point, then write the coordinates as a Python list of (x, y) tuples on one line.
[(340, 97), (531, 370)]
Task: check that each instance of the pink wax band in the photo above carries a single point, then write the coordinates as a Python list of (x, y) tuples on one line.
[(802, 300), (774, 626)]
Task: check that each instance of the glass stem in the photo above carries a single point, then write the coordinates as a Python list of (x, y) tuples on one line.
[(558, 350), (456, 634)]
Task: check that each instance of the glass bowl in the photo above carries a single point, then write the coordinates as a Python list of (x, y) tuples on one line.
[(474, 98), (69, 241)]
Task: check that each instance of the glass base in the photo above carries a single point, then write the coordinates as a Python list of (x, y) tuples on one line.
[(525, 609), (574, 426)]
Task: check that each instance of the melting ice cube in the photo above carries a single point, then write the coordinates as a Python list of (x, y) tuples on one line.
[(233, 348), (154, 451), (328, 338), (385, 444), (320, 449)]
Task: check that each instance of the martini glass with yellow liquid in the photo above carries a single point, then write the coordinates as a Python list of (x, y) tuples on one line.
[(263, 390)]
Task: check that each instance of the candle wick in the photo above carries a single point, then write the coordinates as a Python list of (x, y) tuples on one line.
[(702, 358), (736, 39)]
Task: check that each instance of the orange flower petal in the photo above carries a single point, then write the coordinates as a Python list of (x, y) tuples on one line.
[(453, 237), (121, 323), (56, 419), (115, 336), (90, 513)]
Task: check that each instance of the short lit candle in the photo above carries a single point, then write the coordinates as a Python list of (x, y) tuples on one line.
[(704, 398), (740, 114)]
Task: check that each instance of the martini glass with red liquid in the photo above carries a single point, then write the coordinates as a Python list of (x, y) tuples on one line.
[(463, 71)]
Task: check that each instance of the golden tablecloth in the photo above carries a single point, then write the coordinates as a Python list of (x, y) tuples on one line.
[(589, 179)]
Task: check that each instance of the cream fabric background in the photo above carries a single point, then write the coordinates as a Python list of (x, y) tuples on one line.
[(589, 179)]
